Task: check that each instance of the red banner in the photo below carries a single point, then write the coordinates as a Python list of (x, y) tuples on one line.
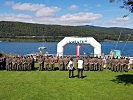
[(77, 50)]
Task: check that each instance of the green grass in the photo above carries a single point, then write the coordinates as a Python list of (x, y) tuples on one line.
[(55, 85)]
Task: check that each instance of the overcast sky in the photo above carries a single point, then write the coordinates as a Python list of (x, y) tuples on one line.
[(66, 12)]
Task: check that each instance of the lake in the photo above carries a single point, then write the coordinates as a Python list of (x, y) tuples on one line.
[(23, 48)]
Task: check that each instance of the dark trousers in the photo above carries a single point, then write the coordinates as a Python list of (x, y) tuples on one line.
[(80, 73), (71, 73)]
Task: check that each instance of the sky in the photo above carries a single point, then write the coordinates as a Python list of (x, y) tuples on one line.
[(66, 12)]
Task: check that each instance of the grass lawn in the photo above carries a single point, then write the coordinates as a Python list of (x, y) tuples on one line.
[(55, 85)]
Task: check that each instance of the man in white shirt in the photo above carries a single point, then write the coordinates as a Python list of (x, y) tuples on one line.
[(80, 68), (70, 68)]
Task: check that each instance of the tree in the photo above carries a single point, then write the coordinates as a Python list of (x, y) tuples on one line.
[(127, 4)]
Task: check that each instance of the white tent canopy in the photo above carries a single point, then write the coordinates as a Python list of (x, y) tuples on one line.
[(80, 40)]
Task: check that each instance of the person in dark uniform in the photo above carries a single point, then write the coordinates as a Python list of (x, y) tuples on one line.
[(4, 62), (32, 62), (1, 61), (70, 68)]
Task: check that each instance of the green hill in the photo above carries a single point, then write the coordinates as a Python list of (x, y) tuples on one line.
[(18, 31)]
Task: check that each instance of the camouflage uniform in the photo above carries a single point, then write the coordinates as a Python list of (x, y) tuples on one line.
[(29, 65), (121, 66), (109, 62), (66, 61), (10, 63), (61, 63), (100, 64), (51, 66), (95, 64), (46, 63), (14, 63), (86, 64), (23, 64), (127, 66), (19, 64), (91, 64), (117, 64), (41, 63)]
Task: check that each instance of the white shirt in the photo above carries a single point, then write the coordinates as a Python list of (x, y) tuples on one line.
[(70, 65), (80, 64)]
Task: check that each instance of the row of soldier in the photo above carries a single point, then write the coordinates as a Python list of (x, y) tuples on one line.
[(115, 64), (17, 63), (48, 63), (118, 64)]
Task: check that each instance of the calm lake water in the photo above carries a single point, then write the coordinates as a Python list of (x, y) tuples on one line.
[(23, 48)]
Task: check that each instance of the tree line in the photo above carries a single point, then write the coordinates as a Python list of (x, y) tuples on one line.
[(18, 31)]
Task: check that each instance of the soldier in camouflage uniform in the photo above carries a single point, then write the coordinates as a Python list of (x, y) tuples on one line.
[(29, 65), (86, 64), (10, 63), (117, 64), (46, 63), (91, 64), (23, 64), (127, 66), (95, 63), (51, 66), (7, 63), (66, 61), (41, 63), (14, 63), (113, 63), (109, 62), (61, 63), (100, 64), (121, 64), (19, 64)]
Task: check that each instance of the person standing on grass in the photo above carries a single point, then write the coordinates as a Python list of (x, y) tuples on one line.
[(70, 68), (80, 68)]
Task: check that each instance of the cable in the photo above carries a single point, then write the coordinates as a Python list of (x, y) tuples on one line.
[(118, 40), (126, 43)]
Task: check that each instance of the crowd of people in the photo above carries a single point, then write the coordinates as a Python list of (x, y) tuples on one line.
[(27, 63)]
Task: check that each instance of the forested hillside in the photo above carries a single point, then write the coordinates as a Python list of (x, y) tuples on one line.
[(18, 31)]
